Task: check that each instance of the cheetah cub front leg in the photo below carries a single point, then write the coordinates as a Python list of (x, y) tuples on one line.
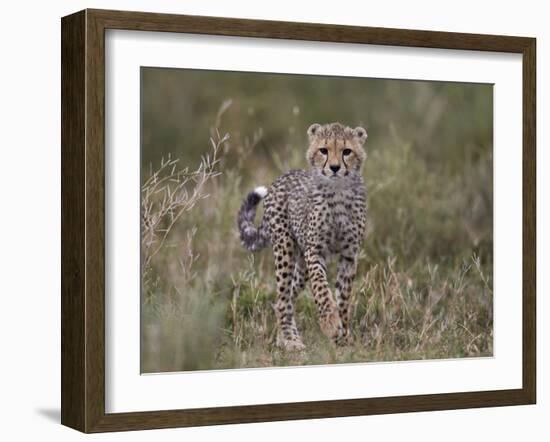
[(329, 317), (347, 267)]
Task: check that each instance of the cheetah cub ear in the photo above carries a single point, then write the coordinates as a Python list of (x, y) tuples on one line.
[(360, 134), (313, 130)]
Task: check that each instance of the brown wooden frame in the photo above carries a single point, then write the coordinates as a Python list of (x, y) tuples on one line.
[(83, 218)]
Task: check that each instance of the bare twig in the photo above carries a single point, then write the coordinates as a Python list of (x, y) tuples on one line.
[(171, 191)]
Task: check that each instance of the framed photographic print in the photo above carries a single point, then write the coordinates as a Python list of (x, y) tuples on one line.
[(267, 220)]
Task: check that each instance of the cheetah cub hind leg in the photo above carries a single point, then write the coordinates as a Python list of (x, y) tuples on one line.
[(284, 251)]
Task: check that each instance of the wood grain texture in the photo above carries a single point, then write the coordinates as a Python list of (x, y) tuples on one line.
[(145, 21), (73, 129), (529, 220), (95, 221), (83, 220)]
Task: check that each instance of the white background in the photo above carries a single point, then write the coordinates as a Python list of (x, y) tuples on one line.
[(30, 221)]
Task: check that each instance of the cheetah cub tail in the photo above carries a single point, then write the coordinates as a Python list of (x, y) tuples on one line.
[(252, 237), (261, 191)]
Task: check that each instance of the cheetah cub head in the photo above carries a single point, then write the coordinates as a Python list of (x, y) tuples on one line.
[(336, 151)]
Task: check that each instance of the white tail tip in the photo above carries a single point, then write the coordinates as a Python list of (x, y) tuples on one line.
[(261, 191)]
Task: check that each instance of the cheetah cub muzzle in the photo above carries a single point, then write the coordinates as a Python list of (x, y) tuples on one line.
[(311, 216)]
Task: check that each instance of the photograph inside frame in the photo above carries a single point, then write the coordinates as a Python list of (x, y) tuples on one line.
[(291, 220)]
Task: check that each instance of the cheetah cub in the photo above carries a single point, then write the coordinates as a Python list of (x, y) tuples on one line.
[(309, 217)]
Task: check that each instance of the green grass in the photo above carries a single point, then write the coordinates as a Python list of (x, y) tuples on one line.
[(424, 283)]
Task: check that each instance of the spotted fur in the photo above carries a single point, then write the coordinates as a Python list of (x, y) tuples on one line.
[(311, 216)]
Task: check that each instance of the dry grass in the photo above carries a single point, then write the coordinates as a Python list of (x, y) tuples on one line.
[(424, 280)]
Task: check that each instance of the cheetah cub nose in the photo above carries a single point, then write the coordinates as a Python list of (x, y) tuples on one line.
[(335, 168)]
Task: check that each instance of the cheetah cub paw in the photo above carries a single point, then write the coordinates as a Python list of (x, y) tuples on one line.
[(331, 325), (291, 345), (345, 339)]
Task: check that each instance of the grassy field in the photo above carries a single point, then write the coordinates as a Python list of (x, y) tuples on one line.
[(424, 283)]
